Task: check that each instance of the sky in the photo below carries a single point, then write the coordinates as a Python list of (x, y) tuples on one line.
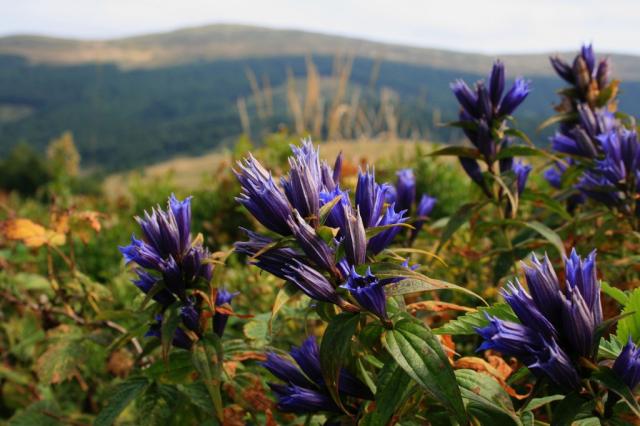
[(490, 26)]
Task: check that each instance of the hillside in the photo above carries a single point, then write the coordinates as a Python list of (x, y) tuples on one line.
[(224, 41), (136, 101)]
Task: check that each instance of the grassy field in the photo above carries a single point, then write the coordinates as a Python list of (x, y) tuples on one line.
[(189, 172)]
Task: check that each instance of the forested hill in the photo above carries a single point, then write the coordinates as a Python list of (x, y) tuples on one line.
[(138, 100)]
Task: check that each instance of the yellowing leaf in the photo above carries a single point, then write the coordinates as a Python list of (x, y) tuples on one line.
[(32, 234)]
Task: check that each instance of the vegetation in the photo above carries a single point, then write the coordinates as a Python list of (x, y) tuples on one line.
[(298, 288)]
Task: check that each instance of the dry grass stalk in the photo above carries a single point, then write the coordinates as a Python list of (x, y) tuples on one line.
[(257, 94), (244, 116), (293, 101)]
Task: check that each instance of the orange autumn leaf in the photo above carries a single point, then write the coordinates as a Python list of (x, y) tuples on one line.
[(91, 218), (497, 371), (31, 234), (436, 306)]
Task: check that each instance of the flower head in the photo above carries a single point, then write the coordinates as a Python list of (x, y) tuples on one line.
[(405, 189), (223, 297), (558, 323), (262, 197), (304, 390), (167, 249), (627, 365), (368, 292)]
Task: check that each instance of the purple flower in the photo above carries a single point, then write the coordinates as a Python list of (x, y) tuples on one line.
[(304, 183), (467, 99), (541, 355), (273, 260), (311, 282), (496, 82), (424, 209), (627, 365), (336, 217), (305, 390), (168, 249), (558, 323), (370, 197), (146, 281), (180, 338), (260, 195), (382, 240), (521, 171), (354, 237), (405, 189), (368, 292), (472, 169), (514, 97), (219, 321), (313, 246), (190, 315)]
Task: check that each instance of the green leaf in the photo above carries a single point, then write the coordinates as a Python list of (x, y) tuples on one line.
[(459, 218), (424, 283), (542, 229), (375, 230), (170, 322), (456, 151), (518, 151), (630, 325), (466, 324), (570, 408), (419, 353), (486, 399), (607, 377), (522, 136), (609, 349), (60, 360), (546, 202), (326, 208), (38, 413), (536, 403), (394, 387), (558, 118), (615, 293), (121, 397), (202, 357), (286, 292), (335, 349)]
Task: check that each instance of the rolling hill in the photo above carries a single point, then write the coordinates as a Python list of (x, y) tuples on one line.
[(139, 100)]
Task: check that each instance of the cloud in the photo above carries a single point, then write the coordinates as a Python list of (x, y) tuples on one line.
[(495, 26)]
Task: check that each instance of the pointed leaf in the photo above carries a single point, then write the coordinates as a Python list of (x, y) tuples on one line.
[(419, 353)]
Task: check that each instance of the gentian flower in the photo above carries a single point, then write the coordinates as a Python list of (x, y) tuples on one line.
[(382, 240), (304, 183), (368, 292), (312, 283), (223, 297), (273, 260), (305, 390), (336, 217), (485, 108), (370, 197), (558, 323), (614, 179), (521, 171), (424, 209), (405, 190), (180, 337), (355, 238), (167, 253), (262, 197), (627, 365), (167, 247), (313, 246)]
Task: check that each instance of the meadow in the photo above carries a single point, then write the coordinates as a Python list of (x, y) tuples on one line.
[(290, 280)]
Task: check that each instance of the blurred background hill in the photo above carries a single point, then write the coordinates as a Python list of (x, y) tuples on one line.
[(135, 101)]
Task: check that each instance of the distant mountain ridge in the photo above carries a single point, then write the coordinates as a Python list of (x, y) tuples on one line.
[(225, 41)]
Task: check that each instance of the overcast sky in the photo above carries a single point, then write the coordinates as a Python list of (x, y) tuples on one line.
[(490, 26)]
